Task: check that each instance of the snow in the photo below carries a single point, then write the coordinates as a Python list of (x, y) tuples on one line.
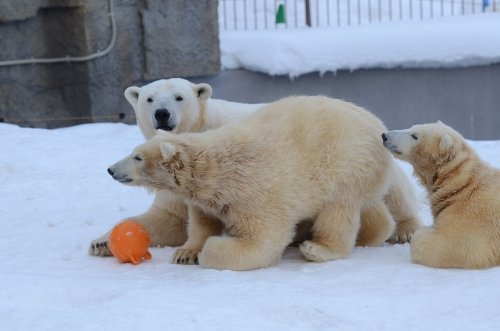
[(56, 197), (262, 14), (441, 42)]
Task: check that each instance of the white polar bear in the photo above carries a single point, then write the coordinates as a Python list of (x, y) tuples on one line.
[(463, 192), (298, 158), (178, 106)]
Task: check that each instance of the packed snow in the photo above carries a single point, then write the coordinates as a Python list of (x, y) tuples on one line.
[(56, 197), (441, 42)]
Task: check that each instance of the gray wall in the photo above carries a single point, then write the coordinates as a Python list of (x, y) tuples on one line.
[(466, 98), (155, 39)]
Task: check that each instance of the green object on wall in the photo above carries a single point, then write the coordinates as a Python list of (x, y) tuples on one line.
[(280, 14)]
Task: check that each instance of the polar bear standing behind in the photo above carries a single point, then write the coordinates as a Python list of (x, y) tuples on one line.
[(464, 193), (176, 105), (298, 158)]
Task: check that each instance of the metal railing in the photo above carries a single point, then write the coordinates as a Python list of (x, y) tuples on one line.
[(263, 14)]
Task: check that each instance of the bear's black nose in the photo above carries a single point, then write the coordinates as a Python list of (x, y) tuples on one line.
[(162, 115), (384, 137), (110, 171)]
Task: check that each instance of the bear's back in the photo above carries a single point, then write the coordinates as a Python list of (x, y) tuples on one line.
[(308, 116), (308, 140), (306, 124), (298, 150)]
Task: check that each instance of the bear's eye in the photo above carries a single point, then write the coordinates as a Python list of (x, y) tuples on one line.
[(137, 158), (150, 100), (414, 136), (179, 98)]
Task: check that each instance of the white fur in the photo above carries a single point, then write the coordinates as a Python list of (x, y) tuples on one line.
[(166, 219), (185, 114), (463, 193), (295, 159), (167, 150)]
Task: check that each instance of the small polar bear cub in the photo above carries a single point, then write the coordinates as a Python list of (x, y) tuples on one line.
[(464, 193), (298, 158)]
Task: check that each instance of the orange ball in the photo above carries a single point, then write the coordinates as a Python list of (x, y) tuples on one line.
[(129, 242)]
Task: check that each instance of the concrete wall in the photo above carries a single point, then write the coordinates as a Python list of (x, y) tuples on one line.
[(466, 98), (155, 39)]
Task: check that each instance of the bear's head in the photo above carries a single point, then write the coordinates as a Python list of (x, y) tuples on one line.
[(174, 105), (162, 163), (427, 147)]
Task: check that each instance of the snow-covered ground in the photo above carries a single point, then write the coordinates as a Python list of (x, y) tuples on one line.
[(55, 197), (442, 42)]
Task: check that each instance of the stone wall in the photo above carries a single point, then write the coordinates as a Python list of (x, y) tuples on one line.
[(155, 39)]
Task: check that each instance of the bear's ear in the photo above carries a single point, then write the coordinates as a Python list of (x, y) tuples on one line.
[(446, 143), (202, 91), (132, 95), (168, 150)]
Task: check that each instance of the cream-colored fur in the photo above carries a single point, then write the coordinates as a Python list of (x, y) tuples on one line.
[(297, 158), (166, 219), (464, 193)]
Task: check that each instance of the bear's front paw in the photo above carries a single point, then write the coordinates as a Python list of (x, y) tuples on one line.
[(99, 248), (185, 256), (400, 237), (318, 253), (403, 233)]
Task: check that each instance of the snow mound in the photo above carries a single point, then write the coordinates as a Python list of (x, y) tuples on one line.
[(439, 43)]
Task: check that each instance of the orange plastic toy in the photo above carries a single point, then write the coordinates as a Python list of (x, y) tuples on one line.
[(129, 242)]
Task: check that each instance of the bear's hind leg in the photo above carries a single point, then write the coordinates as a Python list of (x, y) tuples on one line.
[(431, 248), (334, 232), (376, 224)]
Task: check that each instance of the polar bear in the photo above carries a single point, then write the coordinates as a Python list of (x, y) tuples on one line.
[(177, 105), (463, 192), (298, 158)]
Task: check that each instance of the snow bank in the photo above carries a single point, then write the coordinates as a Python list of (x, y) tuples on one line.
[(446, 42)]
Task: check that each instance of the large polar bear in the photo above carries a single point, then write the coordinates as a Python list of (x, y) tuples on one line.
[(177, 105), (464, 193), (298, 158)]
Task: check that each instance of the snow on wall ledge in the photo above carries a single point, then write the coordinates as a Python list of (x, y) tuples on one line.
[(446, 42)]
